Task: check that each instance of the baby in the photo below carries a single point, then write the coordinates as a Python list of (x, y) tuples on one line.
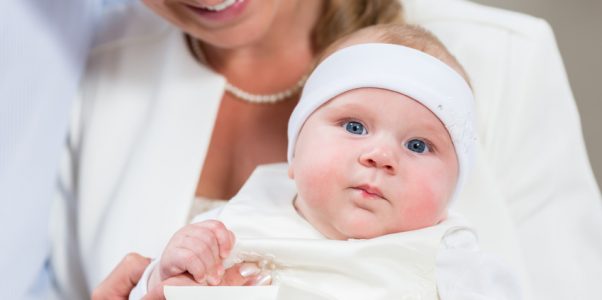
[(379, 146)]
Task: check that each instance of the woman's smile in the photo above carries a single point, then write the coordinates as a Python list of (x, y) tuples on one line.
[(225, 11)]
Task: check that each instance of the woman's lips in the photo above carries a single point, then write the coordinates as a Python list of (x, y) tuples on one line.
[(226, 14), (218, 6), (369, 191)]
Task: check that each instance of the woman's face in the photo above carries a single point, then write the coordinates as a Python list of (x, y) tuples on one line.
[(223, 24)]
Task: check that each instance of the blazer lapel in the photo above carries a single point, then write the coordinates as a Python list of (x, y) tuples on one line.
[(156, 190)]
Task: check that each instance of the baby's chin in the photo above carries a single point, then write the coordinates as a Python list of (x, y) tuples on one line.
[(343, 234), (354, 224), (358, 233)]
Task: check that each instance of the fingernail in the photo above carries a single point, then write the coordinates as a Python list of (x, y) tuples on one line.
[(213, 280), (264, 279), (248, 269)]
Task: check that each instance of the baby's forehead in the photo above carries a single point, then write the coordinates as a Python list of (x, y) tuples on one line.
[(406, 70), (377, 100), (364, 97)]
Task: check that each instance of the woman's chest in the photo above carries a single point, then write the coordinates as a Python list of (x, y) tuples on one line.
[(245, 135)]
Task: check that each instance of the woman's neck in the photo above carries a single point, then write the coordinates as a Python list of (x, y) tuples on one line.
[(284, 51)]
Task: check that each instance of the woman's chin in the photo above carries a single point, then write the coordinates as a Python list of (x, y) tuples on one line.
[(237, 36)]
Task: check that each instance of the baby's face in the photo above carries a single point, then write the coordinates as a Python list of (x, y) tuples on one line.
[(372, 162)]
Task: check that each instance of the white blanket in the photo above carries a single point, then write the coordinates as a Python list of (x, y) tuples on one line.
[(306, 265)]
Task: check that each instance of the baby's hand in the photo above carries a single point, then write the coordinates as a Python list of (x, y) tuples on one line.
[(198, 249)]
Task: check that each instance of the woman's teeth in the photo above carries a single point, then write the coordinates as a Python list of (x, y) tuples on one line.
[(219, 7)]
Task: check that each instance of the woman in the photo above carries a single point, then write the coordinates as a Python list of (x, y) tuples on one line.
[(170, 126), (161, 120)]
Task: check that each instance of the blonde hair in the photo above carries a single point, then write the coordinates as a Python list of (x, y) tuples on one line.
[(411, 36), (341, 17)]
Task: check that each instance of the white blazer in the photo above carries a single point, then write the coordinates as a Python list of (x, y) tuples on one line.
[(143, 121)]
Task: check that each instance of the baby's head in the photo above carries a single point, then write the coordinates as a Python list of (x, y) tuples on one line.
[(382, 137)]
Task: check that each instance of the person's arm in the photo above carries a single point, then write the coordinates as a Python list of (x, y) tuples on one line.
[(530, 131), (42, 53), (535, 143)]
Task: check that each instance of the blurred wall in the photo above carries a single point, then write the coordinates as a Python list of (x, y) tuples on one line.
[(577, 25)]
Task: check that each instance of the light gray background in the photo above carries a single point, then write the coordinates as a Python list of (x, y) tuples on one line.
[(577, 25)]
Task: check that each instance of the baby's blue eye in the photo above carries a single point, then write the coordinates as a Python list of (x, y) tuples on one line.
[(355, 128), (417, 146)]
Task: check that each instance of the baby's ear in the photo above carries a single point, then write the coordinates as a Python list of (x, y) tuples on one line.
[(291, 173)]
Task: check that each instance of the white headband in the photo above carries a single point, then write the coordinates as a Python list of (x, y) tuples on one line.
[(400, 69)]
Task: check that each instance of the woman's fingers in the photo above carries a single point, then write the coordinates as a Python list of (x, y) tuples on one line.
[(238, 275), (241, 274), (122, 279), (180, 280)]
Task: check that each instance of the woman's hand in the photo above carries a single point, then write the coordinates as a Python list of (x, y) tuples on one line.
[(122, 279), (238, 275), (198, 250)]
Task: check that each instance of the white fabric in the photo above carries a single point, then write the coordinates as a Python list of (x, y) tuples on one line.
[(147, 109), (408, 71), (308, 266), (43, 49)]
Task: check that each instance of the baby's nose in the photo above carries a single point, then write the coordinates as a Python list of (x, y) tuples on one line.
[(380, 157)]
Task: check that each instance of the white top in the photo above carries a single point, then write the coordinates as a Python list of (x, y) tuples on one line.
[(141, 129), (442, 260)]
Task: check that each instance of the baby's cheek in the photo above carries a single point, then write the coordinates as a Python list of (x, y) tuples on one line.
[(314, 181), (325, 167), (426, 206)]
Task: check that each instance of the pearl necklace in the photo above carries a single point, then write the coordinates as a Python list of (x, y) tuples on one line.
[(244, 95)]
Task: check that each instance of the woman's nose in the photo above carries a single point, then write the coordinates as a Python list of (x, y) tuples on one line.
[(381, 157)]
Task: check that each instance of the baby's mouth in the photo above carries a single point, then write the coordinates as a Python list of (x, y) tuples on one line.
[(369, 191)]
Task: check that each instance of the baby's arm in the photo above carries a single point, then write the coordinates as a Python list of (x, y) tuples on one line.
[(197, 249)]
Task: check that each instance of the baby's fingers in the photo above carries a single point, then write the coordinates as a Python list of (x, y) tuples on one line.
[(182, 259), (206, 248), (224, 237)]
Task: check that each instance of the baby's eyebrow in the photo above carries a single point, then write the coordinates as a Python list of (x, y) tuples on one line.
[(432, 132)]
